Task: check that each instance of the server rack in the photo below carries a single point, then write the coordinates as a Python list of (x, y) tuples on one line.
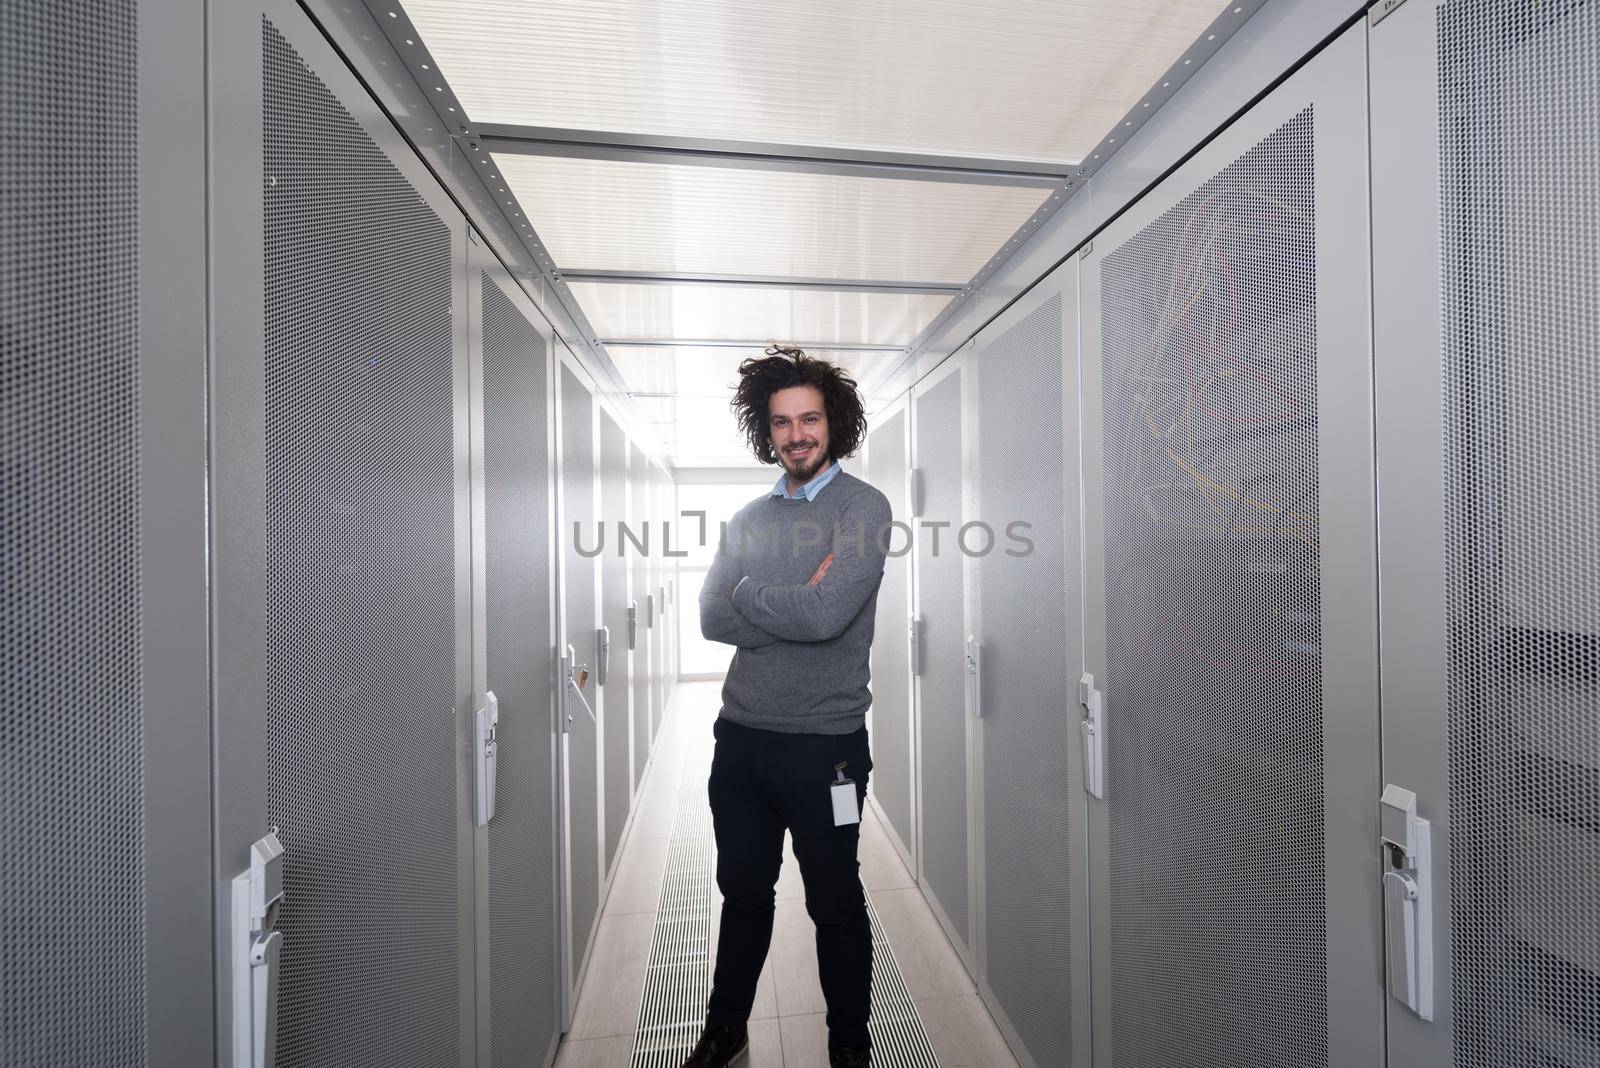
[(340, 443), (518, 853), (943, 742), (615, 680), (639, 631), (1029, 782), (894, 655), (1484, 274), (1230, 591), (580, 576), (105, 766), (658, 602)]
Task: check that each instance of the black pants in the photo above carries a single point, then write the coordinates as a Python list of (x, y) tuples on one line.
[(761, 783)]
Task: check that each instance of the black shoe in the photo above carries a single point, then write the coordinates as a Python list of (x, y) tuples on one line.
[(849, 1058), (720, 1046)]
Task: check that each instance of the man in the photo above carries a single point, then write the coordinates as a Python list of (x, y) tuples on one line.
[(794, 588)]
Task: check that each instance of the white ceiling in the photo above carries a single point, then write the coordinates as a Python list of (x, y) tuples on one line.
[(664, 312), (687, 369), (603, 215), (1013, 81), (1016, 79)]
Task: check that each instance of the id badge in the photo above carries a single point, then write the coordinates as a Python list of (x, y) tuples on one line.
[(846, 809)]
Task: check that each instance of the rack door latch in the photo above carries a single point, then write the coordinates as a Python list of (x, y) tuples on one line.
[(257, 947), (975, 675), (576, 678), (1093, 731), (485, 721), (1407, 841)]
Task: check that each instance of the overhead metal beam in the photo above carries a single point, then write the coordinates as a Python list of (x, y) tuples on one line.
[(834, 285), (722, 343), (758, 155)]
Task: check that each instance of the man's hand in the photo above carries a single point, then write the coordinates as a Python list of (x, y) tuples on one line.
[(822, 569)]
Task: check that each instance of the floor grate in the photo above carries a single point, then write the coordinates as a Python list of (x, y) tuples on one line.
[(678, 976), (898, 1040)]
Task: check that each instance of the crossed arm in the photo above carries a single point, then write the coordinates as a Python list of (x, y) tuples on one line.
[(719, 620), (753, 614), (819, 610)]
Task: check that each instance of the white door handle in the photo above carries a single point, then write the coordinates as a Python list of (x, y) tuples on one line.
[(975, 675), (1093, 732), (485, 721)]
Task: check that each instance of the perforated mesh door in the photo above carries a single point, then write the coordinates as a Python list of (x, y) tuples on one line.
[(522, 938), (662, 568), (1519, 119), (360, 589), (650, 640), (891, 679), (583, 755), (71, 767), (668, 568), (638, 524), (658, 629), (1213, 620), (680, 540), (614, 611), (1029, 700), (942, 711)]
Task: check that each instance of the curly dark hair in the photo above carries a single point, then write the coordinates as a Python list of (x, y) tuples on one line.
[(781, 368)]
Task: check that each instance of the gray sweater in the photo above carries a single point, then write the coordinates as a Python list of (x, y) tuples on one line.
[(801, 662)]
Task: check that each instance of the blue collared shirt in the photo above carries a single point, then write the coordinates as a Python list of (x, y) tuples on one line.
[(810, 489)]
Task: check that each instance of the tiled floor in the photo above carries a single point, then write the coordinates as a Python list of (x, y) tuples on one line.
[(787, 1026)]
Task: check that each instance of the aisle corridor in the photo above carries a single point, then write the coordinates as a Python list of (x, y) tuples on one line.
[(788, 1024)]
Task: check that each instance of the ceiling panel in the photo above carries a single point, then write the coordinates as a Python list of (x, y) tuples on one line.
[(1013, 79), (603, 215), (714, 371), (712, 312)]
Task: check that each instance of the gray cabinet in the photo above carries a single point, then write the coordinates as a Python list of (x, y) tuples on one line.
[(383, 499), (944, 846), (893, 742), (1022, 544), (580, 616), (1230, 595), (617, 685), (105, 769), (341, 552), (1485, 269), (518, 946), (639, 589)]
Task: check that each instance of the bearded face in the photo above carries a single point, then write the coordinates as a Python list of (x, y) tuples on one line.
[(798, 423)]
